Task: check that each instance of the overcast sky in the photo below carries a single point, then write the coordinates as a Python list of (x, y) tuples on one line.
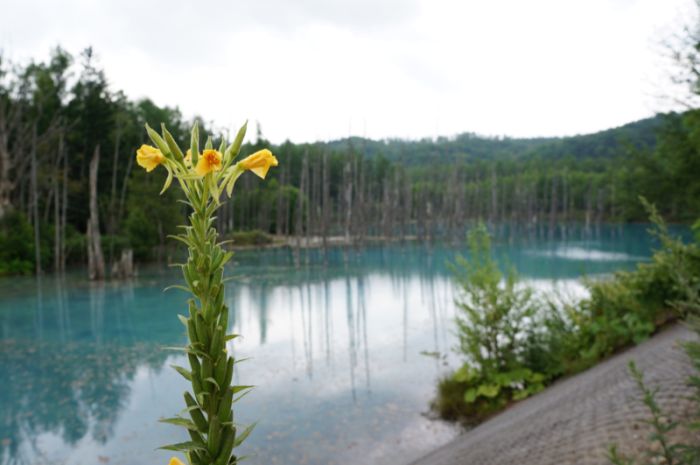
[(323, 69)]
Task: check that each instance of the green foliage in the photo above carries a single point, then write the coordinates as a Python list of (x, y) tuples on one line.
[(696, 230), (515, 344), (554, 345), (152, 217), (255, 237), (142, 233), (76, 248), (16, 245), (626, 308), (492, 318)]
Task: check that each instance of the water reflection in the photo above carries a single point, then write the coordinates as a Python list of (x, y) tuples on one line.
[(336, 349)]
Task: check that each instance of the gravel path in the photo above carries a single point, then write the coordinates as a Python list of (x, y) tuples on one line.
[(575, 420)]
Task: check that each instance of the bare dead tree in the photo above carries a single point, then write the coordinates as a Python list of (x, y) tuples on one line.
[(326, 209), (279, 207), (96, 262), (347, 198), (35, 202), (12, 134), (57, 234), (125, 185), (64, 211), (299, 226), (553, 207)]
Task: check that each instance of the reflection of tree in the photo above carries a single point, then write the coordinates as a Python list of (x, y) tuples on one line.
[(307, 328), (263, 312), (327, 320), (356, 318), (65, 368), (70, 389), (362, 313), (352, 349)]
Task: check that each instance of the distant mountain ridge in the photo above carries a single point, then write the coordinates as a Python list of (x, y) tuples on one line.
[(640, 135)]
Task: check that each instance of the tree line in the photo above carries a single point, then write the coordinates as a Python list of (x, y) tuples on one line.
[(61, 121)]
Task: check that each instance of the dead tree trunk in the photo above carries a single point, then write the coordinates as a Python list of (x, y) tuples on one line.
[(122, 195), (553, 208), (347, 197), (299, 226), (10, 118), (64, 211), (589, 210), (325, 215), (494, 197), (96, 261), (35, 203), (279, 208), (112, 220), (308, 195), (57, 208)]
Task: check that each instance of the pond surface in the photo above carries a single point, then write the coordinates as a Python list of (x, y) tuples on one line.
[(346, 351)]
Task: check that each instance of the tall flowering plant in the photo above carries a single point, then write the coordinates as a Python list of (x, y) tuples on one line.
[(203, 176)]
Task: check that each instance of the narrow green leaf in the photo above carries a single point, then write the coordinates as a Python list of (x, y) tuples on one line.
[(196, 413), (181, 239), (236, 399), (235, 147), (240, 388), (183, 446), (228, 440), (213, 381), (155, 137), (214, 436), (194, 143), (183, 319), (177, 286), (179, 422), (168, 180), (172, 145), (224, 412), (242, 437), (184, 372)]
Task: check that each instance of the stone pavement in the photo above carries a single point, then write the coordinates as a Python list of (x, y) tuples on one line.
[(575, 420)]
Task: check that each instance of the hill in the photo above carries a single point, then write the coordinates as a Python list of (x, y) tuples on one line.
[(640, 135)]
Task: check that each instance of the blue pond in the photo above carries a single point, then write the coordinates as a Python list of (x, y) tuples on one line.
[(345, 352)]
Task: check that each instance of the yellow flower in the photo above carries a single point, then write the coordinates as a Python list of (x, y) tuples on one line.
[(149, 157), (209, 160), (175, 461), (259, 162)]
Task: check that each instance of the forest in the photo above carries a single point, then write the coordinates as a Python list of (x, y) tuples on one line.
[(62, 124)]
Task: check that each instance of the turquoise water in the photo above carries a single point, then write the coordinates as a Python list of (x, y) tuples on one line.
[(340, 352)]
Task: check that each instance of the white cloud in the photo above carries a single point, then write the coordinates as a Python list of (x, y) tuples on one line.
[(315, 69)]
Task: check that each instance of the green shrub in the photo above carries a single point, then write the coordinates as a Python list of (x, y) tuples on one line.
[(254, 237), (515, 344), (76, 245), (553, 346), (142, 233), (495, 313), (628, 307), (16, 245)]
